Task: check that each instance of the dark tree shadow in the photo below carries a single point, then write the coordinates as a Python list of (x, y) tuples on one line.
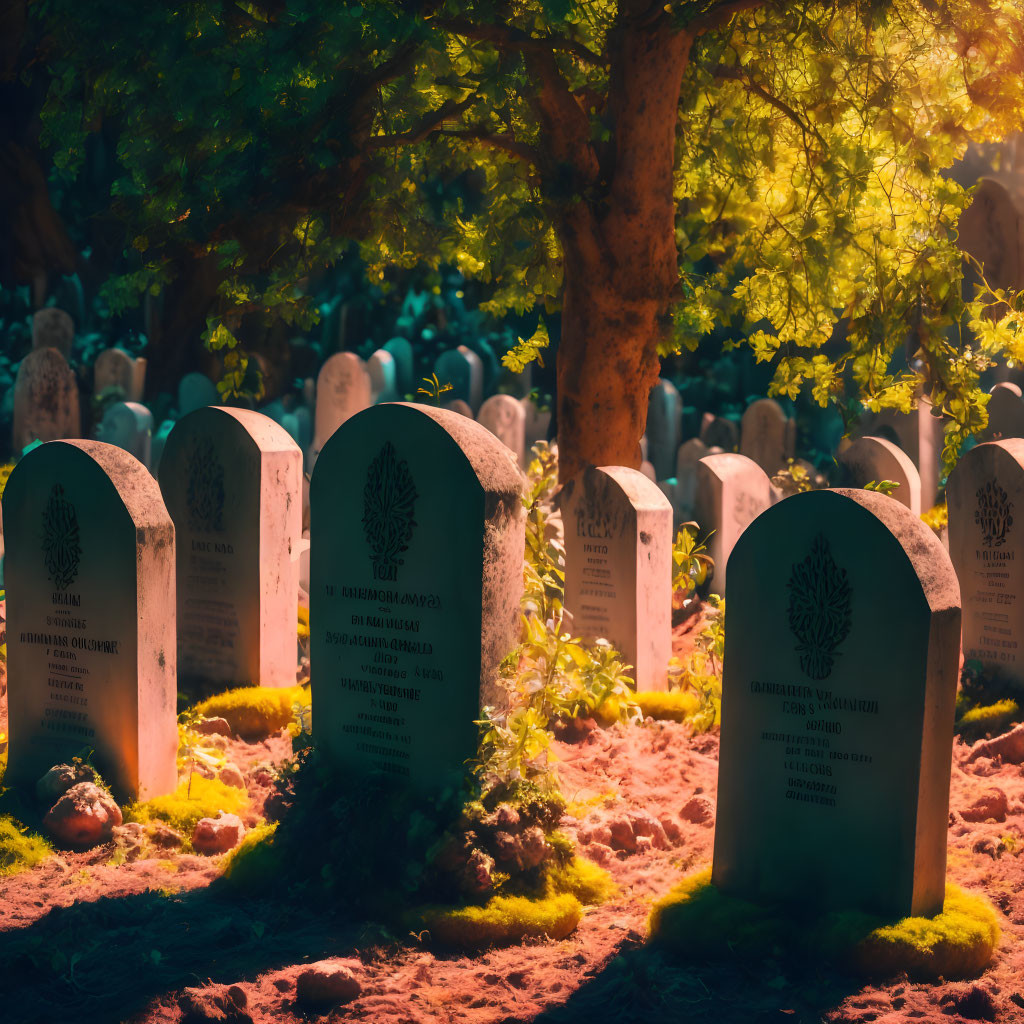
[(106, 960)]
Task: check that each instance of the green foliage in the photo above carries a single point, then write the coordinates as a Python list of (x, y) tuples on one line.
[(5, 472), (503, 920), (690, 562), (695, 918), (886, 487), (986, 704), (794, 479), (19, 848), (527, 351), (695, 688), (194, 748), (990, 719), (544, 565), (434, 389), (936, 518)]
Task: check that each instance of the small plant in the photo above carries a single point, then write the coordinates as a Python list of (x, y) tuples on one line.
[(193, 748), (701, 676), (691, 565), (936, 518), (885, 487), (434, 389), (544, 565), (793, 478)]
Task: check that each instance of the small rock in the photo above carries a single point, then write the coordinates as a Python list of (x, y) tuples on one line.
[(990, 846), (164, 836), (84, 816), (214, 1003), (208, 726), (622, 835), (698, 809), (237, 995), (599, 853), (131, 838), (59, 779), (596, 834), (972, 1002), (326, 982), (1009, 746), (218, 835), (282, 984), (672, 830), (990, 804), (231, 775), (647, 825)]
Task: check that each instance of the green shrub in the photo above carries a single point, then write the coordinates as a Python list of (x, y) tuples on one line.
[(19, 848)]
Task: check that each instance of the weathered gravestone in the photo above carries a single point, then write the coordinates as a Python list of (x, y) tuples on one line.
[(618, 566), (460, 408), (53, 328), (1005, 413), (383, 376), (505, 417), (538, 422), (342, 389), (985, 497), (462, 368), (45, 399), (875, 459), (196, 390), (114, 369), (920, 435), (719, 432), (992, 231), (400, 350), (664, 427), (837, 708), (689, 454), (90, 631), (767, 435), (732, 491), (232, 480), (414, 591), (128, 425)]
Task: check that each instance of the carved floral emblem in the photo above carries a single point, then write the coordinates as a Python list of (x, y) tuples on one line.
[(994, 514), (205, 496), (389, 501), (61, 549), (819, 609)]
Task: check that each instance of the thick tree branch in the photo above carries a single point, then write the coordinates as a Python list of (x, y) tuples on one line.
[(505, 141), (516, 39), (448, 110)]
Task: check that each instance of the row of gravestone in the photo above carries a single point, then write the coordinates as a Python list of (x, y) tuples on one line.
[(837, 699)]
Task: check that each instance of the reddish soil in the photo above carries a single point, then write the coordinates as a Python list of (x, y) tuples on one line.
[(83, 941)]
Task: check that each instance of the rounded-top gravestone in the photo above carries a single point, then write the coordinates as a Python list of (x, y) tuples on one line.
[(45, 399), (418, 529), (90, 617), (232, 480), (877, 459), (840, 677)]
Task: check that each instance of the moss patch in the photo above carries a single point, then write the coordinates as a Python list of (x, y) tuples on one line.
[(989, 718), (183, 808), (19, 848), (672, 706), (253, 860), (696, 919), (553, 913), (255, 712)]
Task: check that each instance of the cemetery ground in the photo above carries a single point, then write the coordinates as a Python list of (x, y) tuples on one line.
[(132, 931)]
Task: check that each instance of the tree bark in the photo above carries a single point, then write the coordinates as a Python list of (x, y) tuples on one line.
[(620, 261)]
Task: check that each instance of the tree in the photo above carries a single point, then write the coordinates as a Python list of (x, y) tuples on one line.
[(773, 166)]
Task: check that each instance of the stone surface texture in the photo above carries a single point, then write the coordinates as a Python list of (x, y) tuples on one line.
[(46, 406), (878, 459)]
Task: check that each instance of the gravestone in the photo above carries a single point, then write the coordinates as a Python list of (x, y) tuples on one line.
[(837, 708), (115, 368), (664, 427), (1005, 413), (461, 367), (128, 425), (156, 448), (45, 399), (732, 491), (89, 572), (383, 377), (232, 480), (689, 454), (53, 328), (460, 408), (400, 350), (538, 423), (342, 389), (767, 435), (647, 468), (985, 497), (875, 458), (991, 230), (920, 435), (719, 432), (196, 390), (505, 417), (618, 566), (414, 591)]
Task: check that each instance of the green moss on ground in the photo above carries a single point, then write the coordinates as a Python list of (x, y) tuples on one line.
[(253, 861), (988, 719), (19, 848), (696, 919), (672, 706), (255, 712), (185, 806)]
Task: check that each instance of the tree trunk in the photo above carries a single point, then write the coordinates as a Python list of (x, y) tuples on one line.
[(620, 261)]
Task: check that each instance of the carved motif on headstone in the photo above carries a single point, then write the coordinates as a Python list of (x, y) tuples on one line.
[(819, 609), (205, 488), (994, 514), (389, 501), (61, 550)]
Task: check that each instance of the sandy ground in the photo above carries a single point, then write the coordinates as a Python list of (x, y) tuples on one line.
[(83, 941)]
